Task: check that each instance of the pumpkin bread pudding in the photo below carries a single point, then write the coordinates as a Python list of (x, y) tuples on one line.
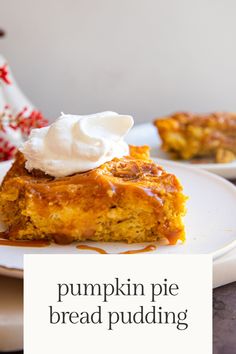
[(129, 199), (188, 136)]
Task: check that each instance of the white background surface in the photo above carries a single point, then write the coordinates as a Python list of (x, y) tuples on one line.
[(143, 57), (195, 295)]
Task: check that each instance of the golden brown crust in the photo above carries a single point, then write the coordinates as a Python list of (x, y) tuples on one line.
[(128, 199), (140, 152), (189, 135)]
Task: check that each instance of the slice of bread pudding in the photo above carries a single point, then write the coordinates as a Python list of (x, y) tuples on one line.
[(129, 199), (187, 135)]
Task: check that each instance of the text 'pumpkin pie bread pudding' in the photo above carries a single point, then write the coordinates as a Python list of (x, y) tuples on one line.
[(187, 135), (78, 180)]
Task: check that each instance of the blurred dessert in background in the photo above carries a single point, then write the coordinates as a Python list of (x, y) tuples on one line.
[(187, 136)]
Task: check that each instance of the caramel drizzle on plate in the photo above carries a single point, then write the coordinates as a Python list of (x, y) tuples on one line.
[(44, 243), (35, 243), (96, 249), (148, 248)]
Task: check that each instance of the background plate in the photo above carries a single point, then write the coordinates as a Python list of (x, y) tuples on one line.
[(146, 134), (210, 222)]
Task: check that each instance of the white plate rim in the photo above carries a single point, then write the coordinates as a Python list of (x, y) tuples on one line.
[(11, 272)]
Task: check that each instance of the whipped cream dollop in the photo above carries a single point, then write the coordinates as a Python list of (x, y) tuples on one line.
[(75, 143)]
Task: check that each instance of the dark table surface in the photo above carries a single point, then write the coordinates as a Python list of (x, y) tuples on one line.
[(224, 322), (224, 319)]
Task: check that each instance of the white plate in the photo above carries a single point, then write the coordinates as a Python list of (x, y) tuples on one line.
[(210, 222), (146, 134)]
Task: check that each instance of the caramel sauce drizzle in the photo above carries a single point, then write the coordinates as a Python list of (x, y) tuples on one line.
[(35, 243), (96, 249), (148, 248), (44, 243)]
